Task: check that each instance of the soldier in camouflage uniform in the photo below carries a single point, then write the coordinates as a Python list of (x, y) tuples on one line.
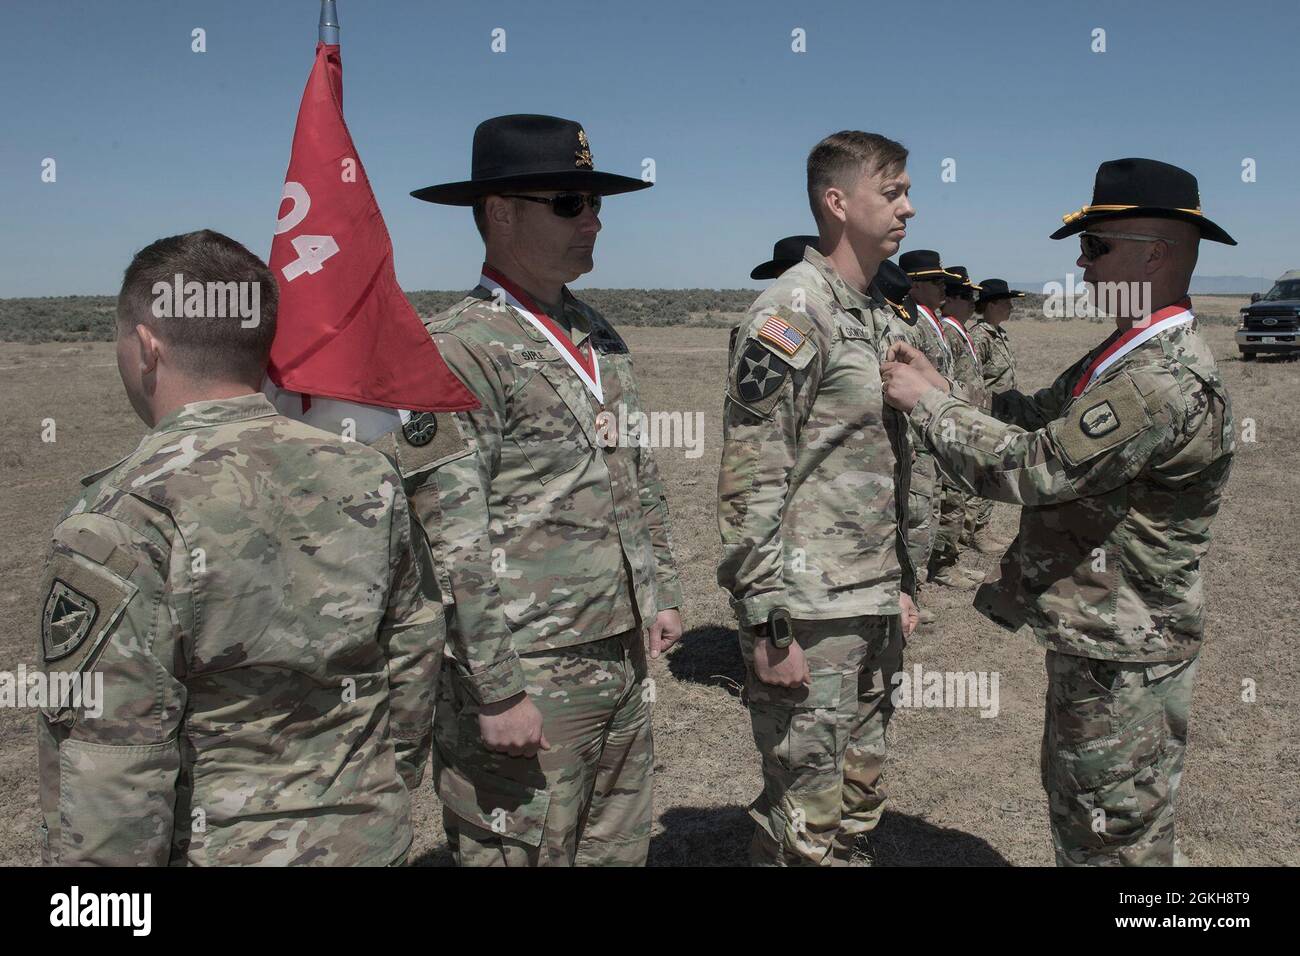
[(925, 271), (998, 368), (957, 308), (1120, 465), (812, 499), (257, 604), (547, 515)]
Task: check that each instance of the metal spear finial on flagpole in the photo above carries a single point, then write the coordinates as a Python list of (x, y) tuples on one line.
[(329, 22)]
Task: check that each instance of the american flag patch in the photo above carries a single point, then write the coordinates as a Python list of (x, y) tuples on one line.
[(781, 334)]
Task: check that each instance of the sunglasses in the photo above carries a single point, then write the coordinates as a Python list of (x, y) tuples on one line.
[(963, 294), (565, 205), (1093, 245)]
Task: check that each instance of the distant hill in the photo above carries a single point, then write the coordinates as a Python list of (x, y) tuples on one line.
[(1201, 285), (89, 318)]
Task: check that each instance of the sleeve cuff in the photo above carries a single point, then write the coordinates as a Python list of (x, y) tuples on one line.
[(669, 596), (501, 681), (754, 610), (926, 407)]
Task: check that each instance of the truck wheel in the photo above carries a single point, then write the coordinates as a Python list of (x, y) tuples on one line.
[(1248, 356)]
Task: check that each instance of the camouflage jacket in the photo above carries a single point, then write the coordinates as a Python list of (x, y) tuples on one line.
[(812, 498), (997, 363), (965, 361), (1119, 485), (268, 638), (548, 535)]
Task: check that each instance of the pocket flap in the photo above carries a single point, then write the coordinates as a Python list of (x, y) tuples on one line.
[(499, 806), (1108, 760)]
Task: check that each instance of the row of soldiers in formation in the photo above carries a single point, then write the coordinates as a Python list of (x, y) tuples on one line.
[(291, 626)]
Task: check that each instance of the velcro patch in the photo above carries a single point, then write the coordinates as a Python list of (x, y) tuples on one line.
[(1103, 418), (782, 334), (82, 605), (759, 375)]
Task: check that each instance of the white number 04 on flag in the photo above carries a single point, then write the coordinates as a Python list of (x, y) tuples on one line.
[(312, 250)]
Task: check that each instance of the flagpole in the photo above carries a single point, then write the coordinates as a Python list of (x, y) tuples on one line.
[(329, 22)]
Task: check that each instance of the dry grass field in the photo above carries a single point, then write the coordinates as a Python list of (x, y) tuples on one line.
[(965, 790)]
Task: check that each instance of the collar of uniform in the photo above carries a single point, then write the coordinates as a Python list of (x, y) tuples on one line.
[(847, 296), (571, 318), (995, 329), (217, 411)]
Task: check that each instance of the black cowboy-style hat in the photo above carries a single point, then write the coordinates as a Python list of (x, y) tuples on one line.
[(994, 289), (528, 151), (892, 282), (962, 282), (785, 253), (923, 264), (1142, 187)]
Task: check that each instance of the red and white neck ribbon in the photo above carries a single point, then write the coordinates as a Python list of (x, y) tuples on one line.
[(1171, 316), (581, 360), (949, 320), (935, 324)]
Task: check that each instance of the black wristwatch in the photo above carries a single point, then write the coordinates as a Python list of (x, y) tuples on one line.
[(779, 630)]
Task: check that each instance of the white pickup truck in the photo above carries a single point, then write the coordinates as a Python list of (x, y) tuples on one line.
[(1271, 323)]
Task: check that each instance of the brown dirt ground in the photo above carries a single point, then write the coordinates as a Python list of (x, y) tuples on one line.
[(964, 790)]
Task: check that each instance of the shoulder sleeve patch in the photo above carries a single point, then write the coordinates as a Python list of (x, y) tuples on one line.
[(83, 601), (428, 439), (1100, 420), (758, 377)]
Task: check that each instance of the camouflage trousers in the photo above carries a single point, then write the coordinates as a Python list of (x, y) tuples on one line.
[(823, 746), (921, 507), (979, 512), (951, 520), (1114, 736), (584, 802)]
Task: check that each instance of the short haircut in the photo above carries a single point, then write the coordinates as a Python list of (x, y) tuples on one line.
[(219, 342), (841, 159), (480, 216)]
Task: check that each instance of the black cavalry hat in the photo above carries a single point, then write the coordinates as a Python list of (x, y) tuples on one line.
[(785, 253), (992, 289), (923, 264), (961, 282), (892, 282), (528, 151), (1142, 187)]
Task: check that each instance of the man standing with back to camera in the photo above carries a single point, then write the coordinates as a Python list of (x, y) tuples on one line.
[(812, 508), (256, 601)]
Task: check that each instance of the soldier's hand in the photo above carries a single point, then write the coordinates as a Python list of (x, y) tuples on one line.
[(914, 358), (780, 666), (665, 631), (910, 616), (903, 385), (513, 726)]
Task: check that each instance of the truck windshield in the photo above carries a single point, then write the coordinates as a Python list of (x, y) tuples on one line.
[(1290, 289)]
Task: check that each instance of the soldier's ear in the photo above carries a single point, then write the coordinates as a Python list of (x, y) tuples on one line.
[(148, 348)]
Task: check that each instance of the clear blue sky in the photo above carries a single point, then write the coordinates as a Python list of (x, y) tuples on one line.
[(152, 139)]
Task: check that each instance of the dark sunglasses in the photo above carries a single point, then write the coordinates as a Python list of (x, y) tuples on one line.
[(963, 294), (565, 205), (1094, 246)]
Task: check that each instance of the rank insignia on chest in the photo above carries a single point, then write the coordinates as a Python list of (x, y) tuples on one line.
[(781, 334), (420, 428), (1099, 420), (758, 374)]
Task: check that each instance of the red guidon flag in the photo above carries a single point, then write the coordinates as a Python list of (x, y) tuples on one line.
[(348, 344)]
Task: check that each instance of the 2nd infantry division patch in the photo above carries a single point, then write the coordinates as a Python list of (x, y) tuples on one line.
[(67, 621), (1098, 420), (759, 374)]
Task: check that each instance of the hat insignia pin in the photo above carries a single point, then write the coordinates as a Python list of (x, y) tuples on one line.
[(582, 156)]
